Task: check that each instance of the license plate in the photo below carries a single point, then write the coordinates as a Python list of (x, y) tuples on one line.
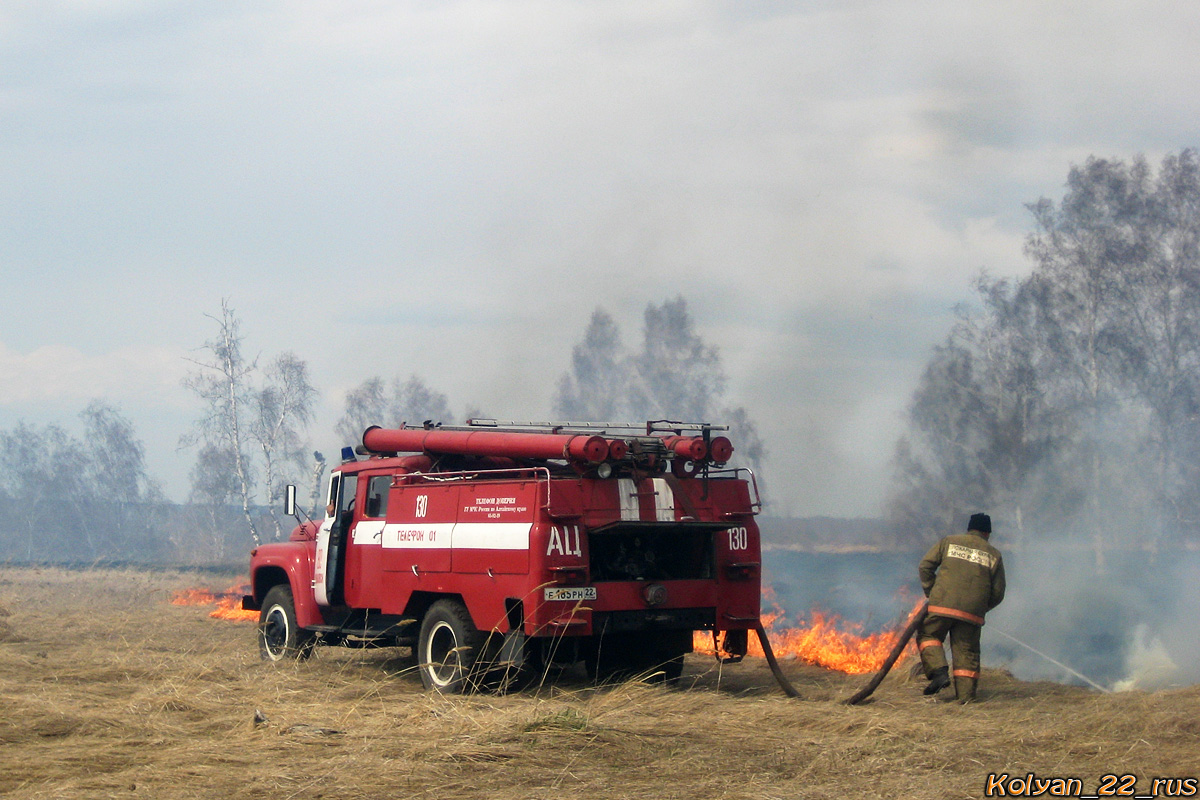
[(573, 595)]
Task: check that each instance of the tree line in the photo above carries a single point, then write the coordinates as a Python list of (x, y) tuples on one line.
[(1067, 402), (89, 499)]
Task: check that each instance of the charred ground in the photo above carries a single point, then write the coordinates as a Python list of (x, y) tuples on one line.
[(111, 691)]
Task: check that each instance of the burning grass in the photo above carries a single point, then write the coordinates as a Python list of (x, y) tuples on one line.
[(110, 690), (821, 639), (226, 604)]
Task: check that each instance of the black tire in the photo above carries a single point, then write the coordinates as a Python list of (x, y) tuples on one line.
[(447, 648), (280, 637)]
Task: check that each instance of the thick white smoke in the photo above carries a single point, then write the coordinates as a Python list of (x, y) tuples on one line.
[(1129, 627)]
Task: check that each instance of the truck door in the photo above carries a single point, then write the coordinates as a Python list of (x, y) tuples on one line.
[(364, 555), (329, 569)]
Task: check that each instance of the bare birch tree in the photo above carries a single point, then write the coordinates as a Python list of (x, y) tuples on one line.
[(366, 405), (79, 499), (1160, 348), (675, 375), (415, 402), (223, 383), (281, 409), (121, 495), (245, 421), (597, 386), (411, 402), (1081, 248), (977, 424), (214, 490), (1074, 393), (30, 462)]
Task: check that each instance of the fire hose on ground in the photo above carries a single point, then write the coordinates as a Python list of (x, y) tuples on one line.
[(914, 622), (791, 691), (784, 683)]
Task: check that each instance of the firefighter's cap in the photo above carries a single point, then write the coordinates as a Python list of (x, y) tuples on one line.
[(981, 523)]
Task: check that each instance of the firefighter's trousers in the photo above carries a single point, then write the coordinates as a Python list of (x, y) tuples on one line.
[(964, 647)]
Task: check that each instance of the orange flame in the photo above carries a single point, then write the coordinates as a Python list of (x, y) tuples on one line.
[(228, 603), (823, 639)]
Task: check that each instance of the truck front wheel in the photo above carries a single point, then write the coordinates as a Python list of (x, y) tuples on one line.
[(279, 636), (447, 647)]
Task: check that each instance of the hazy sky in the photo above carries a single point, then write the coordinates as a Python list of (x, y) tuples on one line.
[(450, 189)]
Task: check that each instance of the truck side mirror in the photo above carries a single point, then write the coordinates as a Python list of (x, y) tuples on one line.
[(289, 503)]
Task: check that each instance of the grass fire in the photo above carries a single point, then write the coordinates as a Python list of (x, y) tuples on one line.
[(822, 639), (112, 690), (226, 604)]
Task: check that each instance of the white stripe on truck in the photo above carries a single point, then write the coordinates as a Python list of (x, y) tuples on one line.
[(464, 535), (664, 501)]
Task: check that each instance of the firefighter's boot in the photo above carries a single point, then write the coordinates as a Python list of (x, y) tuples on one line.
[(939, 679), (964, 689)]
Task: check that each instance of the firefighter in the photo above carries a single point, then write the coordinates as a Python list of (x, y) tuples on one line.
[(963, 577)]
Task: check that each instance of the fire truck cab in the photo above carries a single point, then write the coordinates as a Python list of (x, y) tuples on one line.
[(497, 549)]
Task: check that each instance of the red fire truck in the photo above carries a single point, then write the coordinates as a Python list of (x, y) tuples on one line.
[(498, 549)]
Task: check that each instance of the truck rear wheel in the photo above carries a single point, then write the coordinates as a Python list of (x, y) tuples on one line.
[(279, 635), (447, 648)]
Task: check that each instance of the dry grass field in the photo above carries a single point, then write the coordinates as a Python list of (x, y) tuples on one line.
[(108, 690)]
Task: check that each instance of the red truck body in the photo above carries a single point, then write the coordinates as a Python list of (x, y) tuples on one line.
[(500, 551)]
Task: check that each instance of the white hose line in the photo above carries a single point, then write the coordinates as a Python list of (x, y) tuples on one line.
[(1052, 661)]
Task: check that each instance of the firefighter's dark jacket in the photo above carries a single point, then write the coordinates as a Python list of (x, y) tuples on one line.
[(963, 577)]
